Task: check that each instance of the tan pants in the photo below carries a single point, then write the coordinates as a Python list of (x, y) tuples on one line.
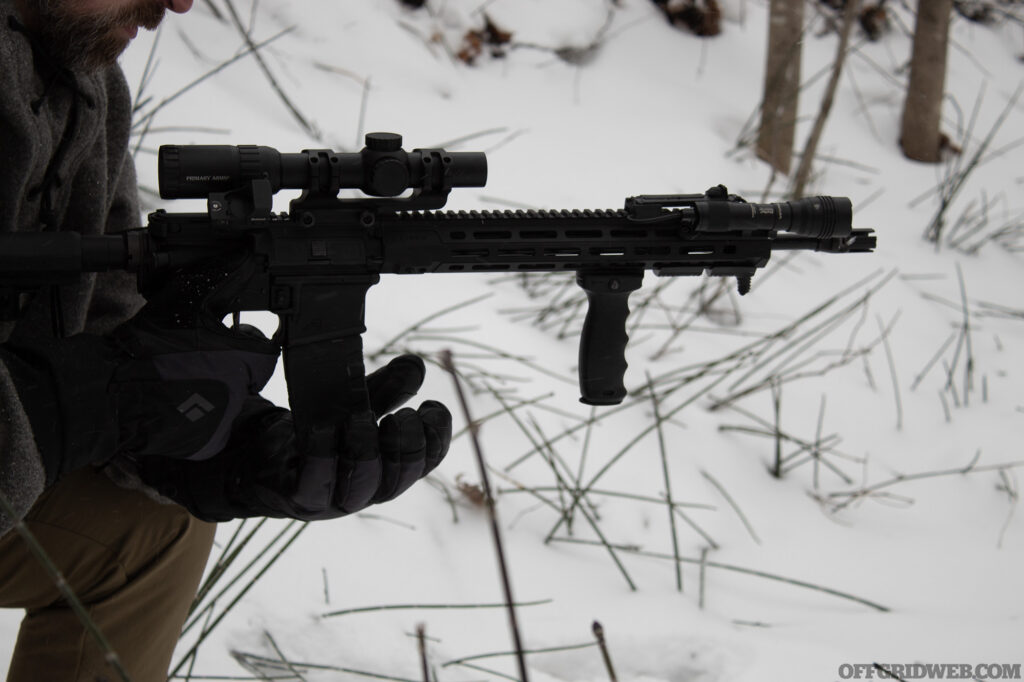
[(135, 565)]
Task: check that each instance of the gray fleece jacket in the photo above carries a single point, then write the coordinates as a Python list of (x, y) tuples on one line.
[(64, 165)]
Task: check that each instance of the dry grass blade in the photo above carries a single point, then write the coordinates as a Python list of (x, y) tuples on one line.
[(295, 673), (496, 352), (220, 571), (777, 412), (213, 9), (972, 220), (489, 671), (986, 309), (1008, 484), (564, 304), (756, 355), (790, 361), (728, 498), (815, 450), (498, 654), (704, 307), (247, 37), (586, 446), (449, 364), (402, 607), (703, 575), (598, 630), (892, 368), (145, 120), (798, 343), (668, 484), (259, 665), (957, 176), (139, 100), (969, 361), (612, 493), (227, 558), (643, 433), (508, 408), (697, 529), (421, 641), (577, 494), (1010, 234), (546, 450), (742, 569), (846, 498), (595, 418), (207, 629), (455, 142), (931, 363)]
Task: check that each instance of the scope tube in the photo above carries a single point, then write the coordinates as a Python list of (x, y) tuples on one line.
[(196, 171)]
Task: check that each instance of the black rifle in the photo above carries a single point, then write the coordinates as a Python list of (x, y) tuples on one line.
[(315, 263)]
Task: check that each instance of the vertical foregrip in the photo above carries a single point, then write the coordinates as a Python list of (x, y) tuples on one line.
[(603, 341)]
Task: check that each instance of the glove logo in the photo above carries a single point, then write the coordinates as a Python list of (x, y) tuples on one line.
[(195, 407)]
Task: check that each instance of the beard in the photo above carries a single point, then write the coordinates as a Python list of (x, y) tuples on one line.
[(94, 41)]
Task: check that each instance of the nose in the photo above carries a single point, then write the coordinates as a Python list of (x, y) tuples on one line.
[(179, 6)]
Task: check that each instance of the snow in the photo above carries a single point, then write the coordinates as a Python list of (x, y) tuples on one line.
[(650, 110)]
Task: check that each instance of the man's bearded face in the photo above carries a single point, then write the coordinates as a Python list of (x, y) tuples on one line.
[(88, 39)]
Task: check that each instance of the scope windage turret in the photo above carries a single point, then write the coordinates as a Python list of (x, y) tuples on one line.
[(821, 217), (381, 169)]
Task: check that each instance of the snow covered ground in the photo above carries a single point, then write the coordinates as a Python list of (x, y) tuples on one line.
[(591, 106)]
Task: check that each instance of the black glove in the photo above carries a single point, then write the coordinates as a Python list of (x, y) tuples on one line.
[(262, 471), (170, 382)]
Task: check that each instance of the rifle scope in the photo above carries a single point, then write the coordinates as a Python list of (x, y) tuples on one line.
[(381, 169)]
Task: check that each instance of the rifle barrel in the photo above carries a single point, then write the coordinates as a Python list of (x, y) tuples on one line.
[(41, 257)]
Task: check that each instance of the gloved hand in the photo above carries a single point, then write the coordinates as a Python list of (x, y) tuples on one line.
[(263, 472), (170, 382)]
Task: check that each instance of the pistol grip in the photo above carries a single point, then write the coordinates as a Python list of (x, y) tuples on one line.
[(603, 342)]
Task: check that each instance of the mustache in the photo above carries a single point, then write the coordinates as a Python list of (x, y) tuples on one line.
[(148, 14)]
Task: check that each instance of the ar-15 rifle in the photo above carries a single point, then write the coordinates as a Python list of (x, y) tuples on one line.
[(316, 263)]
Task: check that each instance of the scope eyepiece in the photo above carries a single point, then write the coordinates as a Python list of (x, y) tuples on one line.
[(196, 171)]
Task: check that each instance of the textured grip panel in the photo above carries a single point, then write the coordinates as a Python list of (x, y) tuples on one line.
[(323, 356), (603, 342)]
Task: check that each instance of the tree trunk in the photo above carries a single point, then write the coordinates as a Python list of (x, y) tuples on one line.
[(781, 84), (803, 171), (922, 108)]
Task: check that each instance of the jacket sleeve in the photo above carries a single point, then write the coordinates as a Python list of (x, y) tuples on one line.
[(21, 472), (115, 297), (110, 300), (22, 477)]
